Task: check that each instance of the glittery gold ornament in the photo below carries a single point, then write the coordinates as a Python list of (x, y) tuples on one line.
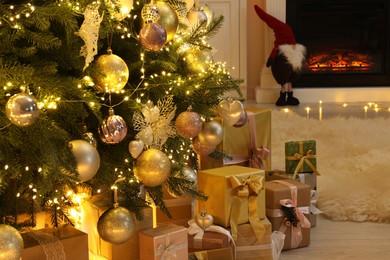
[(153, 36), (152, 167), (113, 128), (211, 134), (188, 124), (116, 225), (167, 18), (22, 109), (87, 157), (202, 149), (197, 17), (196, 61), (11, 243), (113, 73)]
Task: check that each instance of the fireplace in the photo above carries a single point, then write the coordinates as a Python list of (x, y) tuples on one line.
[(348, 41)]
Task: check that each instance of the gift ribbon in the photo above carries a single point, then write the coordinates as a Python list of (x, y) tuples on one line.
[(51, 245), (201, 255), (296, 232), (169, 249), (313, 202), (256, 154), (303, 158), (194, 229), (246, 189)]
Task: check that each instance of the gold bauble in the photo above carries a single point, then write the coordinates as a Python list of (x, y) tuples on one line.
[(12, 244), (197, 61), (196, 17), (188, 124), (168, 19), (22, 109), (116, 225), (113, 73), (152, 167), (211, 134), (187, 173), (202, 149)]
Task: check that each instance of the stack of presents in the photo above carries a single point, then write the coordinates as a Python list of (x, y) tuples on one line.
[(252, 211)]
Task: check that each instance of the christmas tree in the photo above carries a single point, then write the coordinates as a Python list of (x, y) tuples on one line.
[(105, 98)]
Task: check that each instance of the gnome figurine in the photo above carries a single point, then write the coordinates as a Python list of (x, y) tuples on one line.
[(286, 58)]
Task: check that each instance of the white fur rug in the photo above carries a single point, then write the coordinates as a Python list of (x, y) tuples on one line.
[(353, 157)]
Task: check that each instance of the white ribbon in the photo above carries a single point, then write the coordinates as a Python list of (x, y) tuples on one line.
[(194, 229), (169, 248), (313, 202)]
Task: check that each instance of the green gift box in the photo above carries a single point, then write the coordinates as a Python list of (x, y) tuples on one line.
[(300, 157)]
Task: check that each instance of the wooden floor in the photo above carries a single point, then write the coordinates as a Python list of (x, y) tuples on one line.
[(344, 240)]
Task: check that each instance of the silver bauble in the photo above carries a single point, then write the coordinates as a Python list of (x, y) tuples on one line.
[(211, 134), (152, 167), (22, 109), (116, 225), (11, 243), (87, 157)]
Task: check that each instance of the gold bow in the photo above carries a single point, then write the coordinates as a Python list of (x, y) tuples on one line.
[(304, 159), (248, 189)]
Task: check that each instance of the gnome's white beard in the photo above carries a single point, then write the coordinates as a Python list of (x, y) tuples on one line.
[(295, 55)]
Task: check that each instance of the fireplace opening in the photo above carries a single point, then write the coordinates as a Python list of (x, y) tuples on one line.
[(347, 41)]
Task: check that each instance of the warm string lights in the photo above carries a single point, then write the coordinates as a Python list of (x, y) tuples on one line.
[(359, 110)]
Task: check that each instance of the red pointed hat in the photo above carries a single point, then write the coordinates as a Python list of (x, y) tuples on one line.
[(282, 31)]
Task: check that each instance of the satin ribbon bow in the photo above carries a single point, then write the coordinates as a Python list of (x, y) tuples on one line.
[(169, 249), (304, 159), (296, 231), (246, 189), (194, 229), (258, 155)]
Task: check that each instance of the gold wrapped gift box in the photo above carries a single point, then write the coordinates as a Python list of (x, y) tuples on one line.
[(216, 184), (210, 240), (55, 243), (164, 242), (278, 191), (215, 254), (249, 247), (236, 140)]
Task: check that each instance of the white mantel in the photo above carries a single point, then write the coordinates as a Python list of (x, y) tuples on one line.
[(268, 90)]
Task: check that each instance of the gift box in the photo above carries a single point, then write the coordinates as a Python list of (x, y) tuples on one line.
[(64, 242), (164, 242), (181, 210), (216, 254), (249, 247), (98, 248), (300, 156), (235, 195), (308, 178), (247, 145), (214, 237), (287, 204), (272, 175)]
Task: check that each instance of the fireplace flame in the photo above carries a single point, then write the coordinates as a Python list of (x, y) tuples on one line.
[(340, 61)]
